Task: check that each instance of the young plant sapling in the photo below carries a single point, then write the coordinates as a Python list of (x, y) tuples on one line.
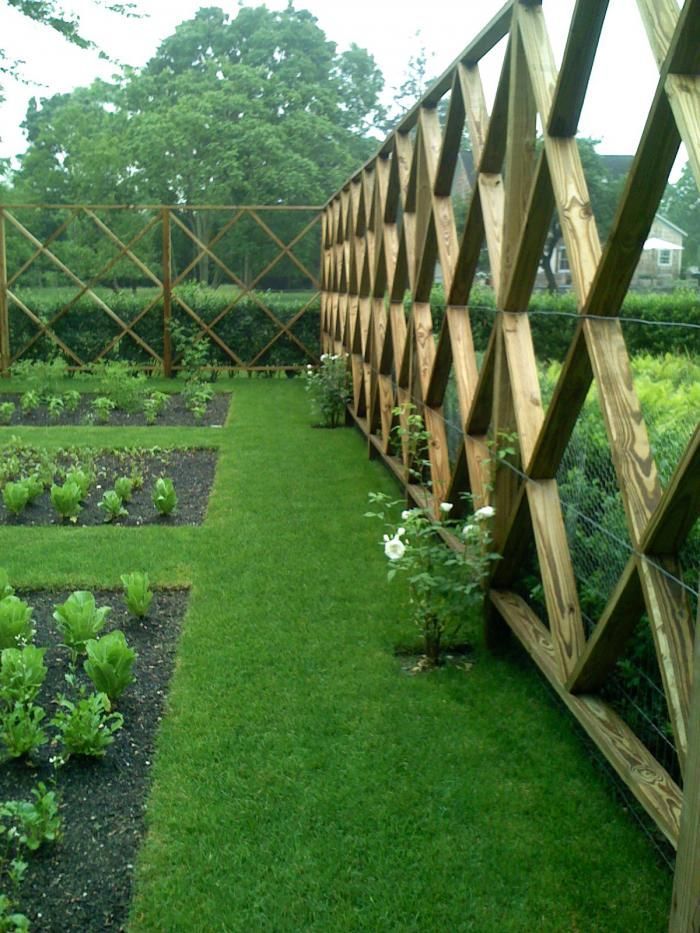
[(112, 505), (164, 495), (137, 593), (29, 402), (86, 726), (15, 496), (124, 487), (82, 480), (22, 672), (54, 406), (79, 620), (66, 500), (110, 663), (34, 486), (20, 729), (7, 410), (102, 407), (36, 821), (15, 622), (71, 400)]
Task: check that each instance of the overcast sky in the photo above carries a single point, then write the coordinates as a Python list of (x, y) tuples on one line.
[(622, 85)]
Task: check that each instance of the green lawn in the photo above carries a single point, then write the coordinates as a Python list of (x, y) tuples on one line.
[(302, 781)]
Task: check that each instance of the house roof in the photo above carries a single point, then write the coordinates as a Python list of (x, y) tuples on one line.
[(670, 224)]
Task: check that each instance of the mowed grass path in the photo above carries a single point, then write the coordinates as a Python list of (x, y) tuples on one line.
[(302, 781)]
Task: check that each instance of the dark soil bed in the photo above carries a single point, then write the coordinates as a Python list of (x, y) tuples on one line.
[(174, 414), (191, 470), (84, 882)]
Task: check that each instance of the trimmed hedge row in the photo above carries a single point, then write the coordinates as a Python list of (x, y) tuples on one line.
[(247, 329)]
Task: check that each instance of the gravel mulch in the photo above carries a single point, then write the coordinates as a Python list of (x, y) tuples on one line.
[(191, 470), (174, 414), (84, 882)]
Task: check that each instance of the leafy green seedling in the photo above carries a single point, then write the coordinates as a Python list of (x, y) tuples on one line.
[(71, 400), (102, 408), (86, 727), (15, 496), (124, 487), (15, 622), (137, 593), (112, 505), (20, 729), (29, 402), (7, 410), (79, 620), (164, 495), (82, 480), (66, 500), (110, 663), (35, 821), (54, 406), (35, 487), (22, 672)]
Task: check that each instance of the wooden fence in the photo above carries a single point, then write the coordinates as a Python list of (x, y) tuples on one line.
[(147, 249), (383, 234)]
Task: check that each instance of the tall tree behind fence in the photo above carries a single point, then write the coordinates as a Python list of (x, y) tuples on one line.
[(384, 233), (90, 281)]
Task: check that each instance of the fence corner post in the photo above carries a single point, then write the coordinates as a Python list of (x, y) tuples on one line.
[(167, 295), (5, 357)]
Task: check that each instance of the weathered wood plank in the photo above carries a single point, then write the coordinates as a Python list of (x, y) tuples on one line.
[(685, 905), (649, 782), (557, 572), (577, 64), (524, 381), (5, 354)]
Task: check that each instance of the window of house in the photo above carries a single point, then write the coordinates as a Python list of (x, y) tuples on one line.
[(664, 257), (562, 260)]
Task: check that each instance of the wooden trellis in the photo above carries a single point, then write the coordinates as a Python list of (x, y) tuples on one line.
[(383, 233), (166, 218)]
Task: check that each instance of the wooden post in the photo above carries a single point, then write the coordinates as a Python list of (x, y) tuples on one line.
[(167, 296), (4, 315), (685, 906)]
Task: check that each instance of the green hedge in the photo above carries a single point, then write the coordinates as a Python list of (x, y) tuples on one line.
[(553, 321), (246, 329)]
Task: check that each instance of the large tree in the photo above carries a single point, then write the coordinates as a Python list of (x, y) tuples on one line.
[(681, 204)]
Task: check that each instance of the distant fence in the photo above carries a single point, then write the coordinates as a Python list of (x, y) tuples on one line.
[(383, 234), (87, 281)]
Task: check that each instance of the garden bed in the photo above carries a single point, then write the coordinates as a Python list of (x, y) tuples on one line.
[(191, 470), (84, 881), (174, 413)]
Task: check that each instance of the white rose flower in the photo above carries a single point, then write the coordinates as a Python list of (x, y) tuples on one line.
[(394, 549), (324, 357), (486, 511), (405, 515), (446, 507), (401, 531), (468, 530)]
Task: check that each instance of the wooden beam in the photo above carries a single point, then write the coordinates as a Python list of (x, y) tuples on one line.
[(5, 354)]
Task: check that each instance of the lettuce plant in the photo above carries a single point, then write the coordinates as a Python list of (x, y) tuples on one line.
[(110, 663), (7, 410), (71, 400), (124, 487), (82, 480), (15, 622), (153, 405), (34, 485), (30, 401), (79, 620), (112, 505), (102, 407), (22, 672), (5, 588), (86, 727), (66, 500), (54, 406), (15, 496), (164, 495), (35, 821), (11, 920), (20, 729), (137, 593)]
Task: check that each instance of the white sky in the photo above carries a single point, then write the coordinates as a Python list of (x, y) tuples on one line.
[(621, 89)]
